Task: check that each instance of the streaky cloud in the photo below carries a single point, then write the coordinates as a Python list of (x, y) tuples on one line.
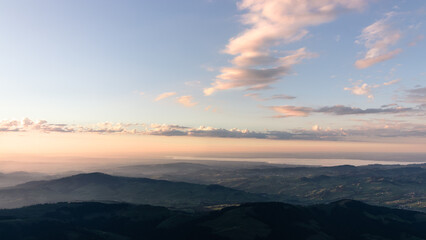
[(297, 111), (164, 95), (377, 38), (344, 110), (416, 95)]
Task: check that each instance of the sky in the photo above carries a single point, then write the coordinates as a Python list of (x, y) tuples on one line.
[(107, 78)]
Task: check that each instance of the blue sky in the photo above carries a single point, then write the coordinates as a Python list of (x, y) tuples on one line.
[(80, 63)]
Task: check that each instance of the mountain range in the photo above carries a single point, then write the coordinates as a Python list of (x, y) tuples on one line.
[(395, 186), (341, 220), (103, 187)]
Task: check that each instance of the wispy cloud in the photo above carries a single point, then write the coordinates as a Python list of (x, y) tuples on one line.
[(416, 95), (256, 65), (294, 111), (256, 96), (416, 40), (164, 95), (344, 110), (193, 83), (282, 96), (187, 101), (391, 82), (377, 38)]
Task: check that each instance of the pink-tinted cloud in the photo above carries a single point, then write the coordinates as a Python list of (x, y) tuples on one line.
[(27, 124), (164, 95), (370, 61), (291, 111), (391, 82), (187, 101), (272, 23), (257, 78)]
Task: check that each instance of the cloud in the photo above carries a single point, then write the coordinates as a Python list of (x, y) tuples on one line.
[(337, 38), (344, 110), (164, 130), (391, 82), (387, 128), (363, 132), (389, 105), (291, 111), (377, 38), (164, 95), (294, 111), (370, 61), (282, 96), (281, 21), (224, 133), (253, 78), (104, 127), (210, 108), (257, 97), (27, 124), (193, 83), (271, 23), (187, 101), (416, 40), (361, 88), (416, 95), (10, 126)]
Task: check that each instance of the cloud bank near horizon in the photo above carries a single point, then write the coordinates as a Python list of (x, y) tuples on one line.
[(364, 132)]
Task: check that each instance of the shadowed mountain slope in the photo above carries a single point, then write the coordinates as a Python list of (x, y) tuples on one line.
[(344, 219), (103, 187), (392, 185)]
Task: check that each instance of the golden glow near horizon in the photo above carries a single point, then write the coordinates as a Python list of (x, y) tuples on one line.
[(121, 145)]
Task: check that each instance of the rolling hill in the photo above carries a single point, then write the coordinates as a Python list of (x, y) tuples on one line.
[(387, 185), (103, 187)]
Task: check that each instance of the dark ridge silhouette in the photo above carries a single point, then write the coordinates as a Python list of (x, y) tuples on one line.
[(341, 220)]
